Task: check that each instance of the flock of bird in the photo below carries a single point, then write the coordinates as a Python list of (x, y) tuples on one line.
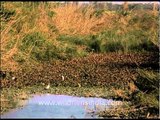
[(97, 69)]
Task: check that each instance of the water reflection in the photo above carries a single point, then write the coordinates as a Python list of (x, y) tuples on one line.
[(60, 106)]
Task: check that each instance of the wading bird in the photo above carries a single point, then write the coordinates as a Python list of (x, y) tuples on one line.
[(14, 78), (62, 77), (48, 86)]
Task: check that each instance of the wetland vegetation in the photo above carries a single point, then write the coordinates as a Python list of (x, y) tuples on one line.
[(81, 49)]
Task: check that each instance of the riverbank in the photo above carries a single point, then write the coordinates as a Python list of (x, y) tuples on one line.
[(127, 77), (16, 98), (13, 97)]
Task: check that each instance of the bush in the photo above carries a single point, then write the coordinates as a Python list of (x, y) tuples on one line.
[(147, 81), (148, 84), (148, 46), (112, 47), (77, 40), (39, 48), (94, 43), (149, 100), (46, 52), (106, 41), (110, 41)]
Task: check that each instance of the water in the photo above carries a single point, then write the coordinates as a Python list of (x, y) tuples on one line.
[(60, 106)]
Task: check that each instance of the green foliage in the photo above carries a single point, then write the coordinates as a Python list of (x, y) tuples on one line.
[(99, 13), (10, 44), (32, 39), (148, 83), (94, 43), (149, 100), (20, 58), (51, 13), (38, 47), (5, 13), (112, 47), (70, 52), (46, 52), (147, 80), (110, 41), (77, 40), (123, 13)]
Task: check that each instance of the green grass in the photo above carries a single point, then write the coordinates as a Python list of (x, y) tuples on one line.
[(148, 84), (77, 40)]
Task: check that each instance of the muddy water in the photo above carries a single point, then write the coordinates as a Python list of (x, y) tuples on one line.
[(61, 106)]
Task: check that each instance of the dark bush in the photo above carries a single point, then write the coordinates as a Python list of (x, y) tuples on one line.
[(39, 48), (94, 43)]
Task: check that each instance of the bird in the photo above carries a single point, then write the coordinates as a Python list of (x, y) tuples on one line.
[(14, 78), (62, 77), (79, 85), (47, 87)]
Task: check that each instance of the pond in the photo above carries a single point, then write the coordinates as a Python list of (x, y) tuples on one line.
[(61, 106)]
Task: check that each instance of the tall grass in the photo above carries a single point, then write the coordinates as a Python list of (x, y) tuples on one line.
[(72, 19), (31, 31)]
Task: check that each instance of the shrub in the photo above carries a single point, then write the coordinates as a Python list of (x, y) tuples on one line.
[(147, 81), (94, 43), (106, 41), (77, 40), (37, 47), (112, 47)]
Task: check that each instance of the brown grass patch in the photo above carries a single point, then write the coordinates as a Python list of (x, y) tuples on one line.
[(70, 19)]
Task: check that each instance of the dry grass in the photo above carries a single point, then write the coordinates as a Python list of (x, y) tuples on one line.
[(6, 37), (71, 20), (120, 93), (16, 29), (132, 87)]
